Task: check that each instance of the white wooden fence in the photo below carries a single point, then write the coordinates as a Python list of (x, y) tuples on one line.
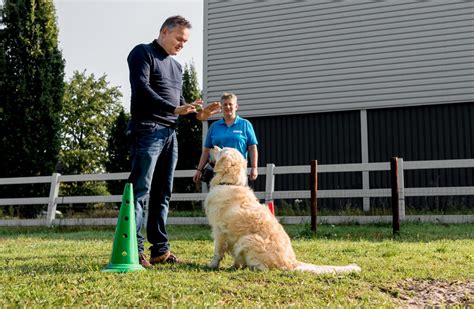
[(269, 194)]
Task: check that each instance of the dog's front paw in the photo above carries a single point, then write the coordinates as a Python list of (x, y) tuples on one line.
[(216, 259), (213, 264)]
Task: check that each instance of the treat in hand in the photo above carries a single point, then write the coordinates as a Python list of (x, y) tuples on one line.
[(198, 105)]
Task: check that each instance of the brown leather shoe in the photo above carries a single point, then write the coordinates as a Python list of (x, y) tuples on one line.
[(167, 257), (142, 259)]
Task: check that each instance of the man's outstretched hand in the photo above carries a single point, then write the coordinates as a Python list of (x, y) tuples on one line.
[(196, 107), (206, 112), (185, 109)]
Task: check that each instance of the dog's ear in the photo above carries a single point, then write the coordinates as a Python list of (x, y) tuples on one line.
[(214, 152)]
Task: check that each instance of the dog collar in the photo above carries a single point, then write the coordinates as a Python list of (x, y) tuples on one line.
[(226, 184)]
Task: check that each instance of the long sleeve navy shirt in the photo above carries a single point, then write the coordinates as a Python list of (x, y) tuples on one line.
[(156, 80)]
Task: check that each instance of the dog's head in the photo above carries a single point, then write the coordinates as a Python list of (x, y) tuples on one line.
[(230, 167)]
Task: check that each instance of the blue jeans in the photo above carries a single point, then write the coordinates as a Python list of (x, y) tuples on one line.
[(154, 154)]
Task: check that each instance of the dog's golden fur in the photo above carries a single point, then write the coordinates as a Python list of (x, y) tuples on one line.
[(245, 228)]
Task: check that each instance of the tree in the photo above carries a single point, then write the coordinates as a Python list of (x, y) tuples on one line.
[(2, 80), (118, 151), (90, 109), (189, 129), (189, 132), (32, 87)]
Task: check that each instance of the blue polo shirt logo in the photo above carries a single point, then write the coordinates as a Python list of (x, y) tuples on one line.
[(238, 131)]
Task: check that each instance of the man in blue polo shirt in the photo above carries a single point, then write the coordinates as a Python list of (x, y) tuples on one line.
[(230, 131)]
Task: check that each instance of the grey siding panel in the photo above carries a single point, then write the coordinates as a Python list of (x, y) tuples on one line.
[(289, 57), (446, 45), (345, 38), (367, 66), (321, 29), (221, 72)]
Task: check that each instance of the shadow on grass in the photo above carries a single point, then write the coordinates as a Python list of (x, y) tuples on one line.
[(202, 267), (56, 257), (70, 264), (186, 265), (59, 232), (55, 264), (176, 232)]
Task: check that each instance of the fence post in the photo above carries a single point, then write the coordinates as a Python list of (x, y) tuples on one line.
[(365, 186), (401, 188), (270, 187), (53, 194), (364, 144), (314, 194), (394, 183)]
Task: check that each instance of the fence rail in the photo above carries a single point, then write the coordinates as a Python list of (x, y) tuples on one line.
[(268, 195)]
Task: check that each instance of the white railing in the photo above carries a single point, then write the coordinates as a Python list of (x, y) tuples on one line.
[(269, 194)]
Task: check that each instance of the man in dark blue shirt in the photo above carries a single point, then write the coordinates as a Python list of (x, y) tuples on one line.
[(156, 103)]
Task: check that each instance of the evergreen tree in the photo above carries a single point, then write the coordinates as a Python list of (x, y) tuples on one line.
[(32, 87), (2, 90), (189, 129), (189, 132), (118, 151)]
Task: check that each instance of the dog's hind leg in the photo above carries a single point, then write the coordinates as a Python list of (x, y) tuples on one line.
[(239, 260), (244, 253), (238, 264), (255, 264)]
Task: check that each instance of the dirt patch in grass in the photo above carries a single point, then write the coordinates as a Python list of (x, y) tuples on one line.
[(414, 293)]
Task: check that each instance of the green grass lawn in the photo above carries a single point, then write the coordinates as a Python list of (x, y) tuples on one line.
[(426, 264)]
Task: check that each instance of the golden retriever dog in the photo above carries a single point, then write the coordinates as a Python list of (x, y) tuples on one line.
[(246, 229)]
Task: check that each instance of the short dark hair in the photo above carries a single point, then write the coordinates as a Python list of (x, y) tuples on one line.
[(228, 95), (174, 21)]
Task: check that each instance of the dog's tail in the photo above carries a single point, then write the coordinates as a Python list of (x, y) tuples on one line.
[(325, 269)]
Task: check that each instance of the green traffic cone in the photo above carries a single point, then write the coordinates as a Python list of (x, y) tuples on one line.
[(125, 250)]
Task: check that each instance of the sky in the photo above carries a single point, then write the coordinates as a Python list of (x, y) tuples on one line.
[(97, 35)]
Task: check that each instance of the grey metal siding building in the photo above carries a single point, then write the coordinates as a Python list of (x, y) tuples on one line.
[(348, 81)]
